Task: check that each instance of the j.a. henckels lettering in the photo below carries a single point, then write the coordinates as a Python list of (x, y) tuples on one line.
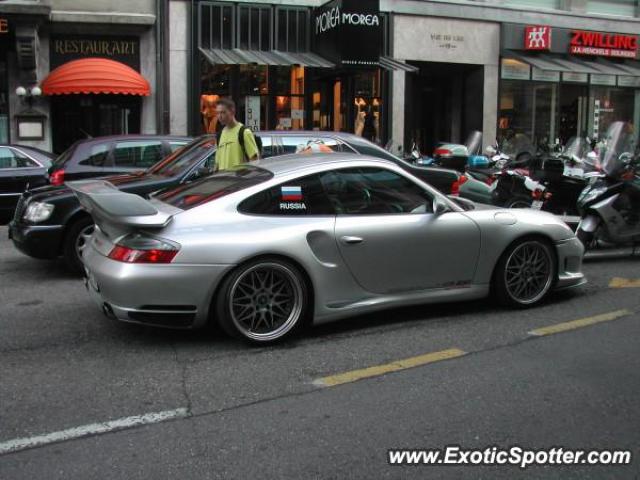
[(122, 49), (338, 22)]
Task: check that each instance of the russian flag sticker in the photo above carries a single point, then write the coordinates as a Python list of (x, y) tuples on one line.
[(291, 194)]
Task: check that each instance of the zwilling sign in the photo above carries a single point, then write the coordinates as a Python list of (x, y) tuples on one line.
[(603, 44), (537, 38)]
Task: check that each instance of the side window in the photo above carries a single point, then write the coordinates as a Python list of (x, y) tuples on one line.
[(11, 159), (302, 197), (267, 147), (137, 154), (97, 156), (374, 191)]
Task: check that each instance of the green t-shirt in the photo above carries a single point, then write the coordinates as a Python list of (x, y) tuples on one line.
[(229, 152)]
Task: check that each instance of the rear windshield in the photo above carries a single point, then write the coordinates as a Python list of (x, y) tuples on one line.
[(215, 186), (65, 156), (183, 158)]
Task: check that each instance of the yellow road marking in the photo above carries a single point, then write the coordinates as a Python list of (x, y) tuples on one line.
[(617, 282), (394, 366), (582, 322)]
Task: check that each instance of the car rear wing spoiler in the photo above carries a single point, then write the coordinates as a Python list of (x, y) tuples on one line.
[(115, 211)]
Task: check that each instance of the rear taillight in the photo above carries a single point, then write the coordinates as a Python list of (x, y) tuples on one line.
[(537, 194), (143, 249), (57, 177), (442, 152), (455, 186), (490, 179)]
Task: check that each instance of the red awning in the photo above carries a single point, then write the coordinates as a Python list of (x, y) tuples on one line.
[(95, 75)]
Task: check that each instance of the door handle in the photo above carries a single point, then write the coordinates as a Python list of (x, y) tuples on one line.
[(349, 240)]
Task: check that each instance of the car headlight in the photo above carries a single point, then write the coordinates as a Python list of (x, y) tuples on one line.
[(38, 212)]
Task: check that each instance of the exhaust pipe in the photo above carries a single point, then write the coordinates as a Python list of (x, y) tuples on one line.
[(108, 311)]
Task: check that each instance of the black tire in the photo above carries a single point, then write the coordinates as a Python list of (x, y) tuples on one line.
[(239, 301), (586, 238), (535, 281), (519, 202), (72, 241)]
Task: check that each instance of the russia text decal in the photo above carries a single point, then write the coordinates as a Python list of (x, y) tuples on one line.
[(603, 44)]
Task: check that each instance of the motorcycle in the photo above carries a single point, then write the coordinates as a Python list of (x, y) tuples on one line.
[(609, 205)]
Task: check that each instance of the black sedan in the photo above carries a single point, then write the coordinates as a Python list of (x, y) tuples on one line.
[(49, 222), (21, 168)]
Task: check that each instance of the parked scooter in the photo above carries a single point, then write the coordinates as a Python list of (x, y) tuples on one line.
[(610, 205)]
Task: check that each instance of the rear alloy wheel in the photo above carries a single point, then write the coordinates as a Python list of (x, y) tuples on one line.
[(519, 202), (263, 302), (525, 273), (76, 240)]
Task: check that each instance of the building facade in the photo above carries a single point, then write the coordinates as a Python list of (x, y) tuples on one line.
[(422, 72), (44, 102), (407, 71)]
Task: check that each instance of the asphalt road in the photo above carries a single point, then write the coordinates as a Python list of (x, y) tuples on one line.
[(244, 412)]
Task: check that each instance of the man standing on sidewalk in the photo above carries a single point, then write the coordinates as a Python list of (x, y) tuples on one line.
[(236, 144)]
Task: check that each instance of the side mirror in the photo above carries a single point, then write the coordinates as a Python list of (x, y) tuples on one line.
[(203, 172), (439, 207)]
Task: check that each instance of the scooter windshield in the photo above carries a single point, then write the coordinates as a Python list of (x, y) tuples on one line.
[(517, 144), (577, 148), (474, 143), (619, 140)]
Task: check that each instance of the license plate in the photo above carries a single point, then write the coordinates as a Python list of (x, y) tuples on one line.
[(537, 204)]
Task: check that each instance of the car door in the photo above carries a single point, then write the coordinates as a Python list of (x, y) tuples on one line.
[(390, 238), (17, 172)]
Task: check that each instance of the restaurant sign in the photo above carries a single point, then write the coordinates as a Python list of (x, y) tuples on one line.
[(71, 47)]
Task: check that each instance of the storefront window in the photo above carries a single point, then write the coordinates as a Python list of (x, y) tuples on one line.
[(215, 83), (612, 7), (292, 29), (289, 89), (216, 25), (368, 103), (254, 26), (528, 108), (610, 104)]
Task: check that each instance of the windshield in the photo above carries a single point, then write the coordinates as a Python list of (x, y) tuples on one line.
[(215, 186), (618, 140), (516, 144), (474, 143), (184, 158), (577, 147)]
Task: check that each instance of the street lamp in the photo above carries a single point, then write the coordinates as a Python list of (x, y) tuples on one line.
[(28, 95)]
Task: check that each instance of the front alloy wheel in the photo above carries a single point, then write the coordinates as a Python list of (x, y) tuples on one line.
[(525, 273), (263, 302)]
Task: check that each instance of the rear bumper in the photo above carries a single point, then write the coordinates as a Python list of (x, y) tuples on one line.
[(38, 241), (169, 296), (570, 253)]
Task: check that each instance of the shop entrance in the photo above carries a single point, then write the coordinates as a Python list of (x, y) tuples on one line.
[(444, 103), (75, 117)]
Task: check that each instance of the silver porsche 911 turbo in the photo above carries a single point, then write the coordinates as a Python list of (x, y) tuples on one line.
[(267, 247)]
